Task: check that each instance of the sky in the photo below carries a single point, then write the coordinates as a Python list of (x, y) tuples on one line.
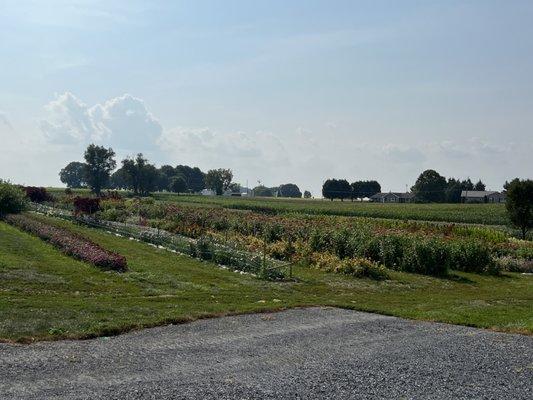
[(278, 91)]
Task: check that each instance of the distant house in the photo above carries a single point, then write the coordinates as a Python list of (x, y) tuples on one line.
[(482, 196), (393, 197), (207, 192)]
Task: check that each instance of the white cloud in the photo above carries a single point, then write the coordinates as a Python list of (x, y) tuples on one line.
[(123, 122)]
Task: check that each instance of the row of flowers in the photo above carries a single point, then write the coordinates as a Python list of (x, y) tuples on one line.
[(69, 243)]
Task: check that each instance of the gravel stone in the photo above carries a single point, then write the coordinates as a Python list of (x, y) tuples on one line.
[(313, 353)]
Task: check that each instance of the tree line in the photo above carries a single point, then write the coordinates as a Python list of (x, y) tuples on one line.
[(341, 189), (430, 187), (142, 177)]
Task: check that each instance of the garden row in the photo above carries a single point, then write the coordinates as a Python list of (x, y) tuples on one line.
[(326, 241), (204, 248), (69, 243)]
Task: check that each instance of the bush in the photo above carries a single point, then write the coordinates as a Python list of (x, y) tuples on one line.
[(428, 257), (361, 268), (511, 264), (357, 267), (471, 256), (37, 194), (86, 205), (69, 243), (12, 199)]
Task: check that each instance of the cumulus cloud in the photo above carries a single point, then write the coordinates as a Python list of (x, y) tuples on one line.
[(123, 122), (213, 148)]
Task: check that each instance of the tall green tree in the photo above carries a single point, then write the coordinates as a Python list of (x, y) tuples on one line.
[(141, 176), (99, 162), (218, 180), (194, 177), (361, 189), (289, 190), (177, 184), (73, 175), (519, 204), (263, 191), (430, 187), (479, 186)]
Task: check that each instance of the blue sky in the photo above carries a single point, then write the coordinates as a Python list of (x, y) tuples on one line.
[(278, 91)]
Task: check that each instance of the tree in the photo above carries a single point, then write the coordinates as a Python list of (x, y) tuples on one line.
[(263, 191), (430, 187), (307, 194), (506, 185), (453, 191), (194, 177), (329, 188), (73, 175), (289, 190), (336, 189), (479, 186), (140, 175), (12, 198), (99, 164), (118, 179), (361, 189), (218, 180), (519, 204), (177, 184)]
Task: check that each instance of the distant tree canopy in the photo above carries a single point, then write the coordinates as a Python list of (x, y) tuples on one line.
[(177, 184), (194, 177), (140, 175), (289, 190), (479, 186), (73, 175), (118, 180), (430, 187), (307, 194), (99, 162), (362, 189), (336, 189), (218, 180), (454, 187), (263, 191), (519, 204)]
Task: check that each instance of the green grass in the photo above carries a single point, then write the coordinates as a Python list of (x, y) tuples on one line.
[(46, 295), (486, 214)]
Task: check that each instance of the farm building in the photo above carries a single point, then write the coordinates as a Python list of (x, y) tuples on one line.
[(392, 197), (482, 196)]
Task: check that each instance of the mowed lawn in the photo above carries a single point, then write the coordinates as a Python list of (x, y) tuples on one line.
[(47, 295)]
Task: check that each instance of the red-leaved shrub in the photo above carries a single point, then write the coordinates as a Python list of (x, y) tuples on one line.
[(86, 205), (37, 194), (70, 243)]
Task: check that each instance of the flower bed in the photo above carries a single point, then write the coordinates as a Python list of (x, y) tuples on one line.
[(69, 243)]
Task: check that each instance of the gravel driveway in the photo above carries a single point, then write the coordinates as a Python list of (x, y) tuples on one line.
[(315, 353)]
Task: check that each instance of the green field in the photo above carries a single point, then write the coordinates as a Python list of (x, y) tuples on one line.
[(47, 295), (486, 214)]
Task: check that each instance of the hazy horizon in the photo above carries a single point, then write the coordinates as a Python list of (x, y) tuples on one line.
[(277, 91)]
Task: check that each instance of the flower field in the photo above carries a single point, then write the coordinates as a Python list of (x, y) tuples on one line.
[(326, 241), (70, 244)]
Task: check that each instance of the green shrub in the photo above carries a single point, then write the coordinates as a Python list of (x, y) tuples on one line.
[(428, 257), (361, 268), (391, 251), (12, 199), (511, 264), (471, 256)]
